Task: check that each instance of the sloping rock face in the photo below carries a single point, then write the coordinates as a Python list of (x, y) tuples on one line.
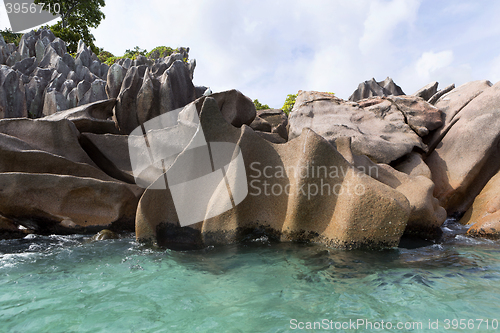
[(50, 184), (384, 129), (468, 155), (484, 214), (342, 207), (372, 88)]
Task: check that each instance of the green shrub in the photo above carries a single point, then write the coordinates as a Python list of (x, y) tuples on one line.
[(161, 52), (289, 103), (259, 106), (103, 56)]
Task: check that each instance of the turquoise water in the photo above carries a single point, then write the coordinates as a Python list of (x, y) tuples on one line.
[(68, 284)]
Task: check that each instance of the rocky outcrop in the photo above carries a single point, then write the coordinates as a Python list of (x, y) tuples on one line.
[(484, 214), (41, 78), (441, 93), (427, 91), (372, 88), (146, 93), (384, 129), (468, 155), (363, 213), (49, 79)]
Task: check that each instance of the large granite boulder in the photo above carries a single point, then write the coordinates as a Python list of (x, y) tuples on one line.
[(276, 119), (47, 179), (468, 155), (65, 203), (342, 208), (372, 88), (484, 214), (384, 129), (412, 179)]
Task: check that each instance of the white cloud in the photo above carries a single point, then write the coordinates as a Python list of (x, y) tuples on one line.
[(382, 21), (431, 62)]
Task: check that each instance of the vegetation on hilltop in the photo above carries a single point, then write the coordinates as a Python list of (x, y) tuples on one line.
[(259, 106)]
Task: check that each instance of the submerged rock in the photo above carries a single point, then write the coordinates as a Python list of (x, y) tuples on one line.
[(103, 235)]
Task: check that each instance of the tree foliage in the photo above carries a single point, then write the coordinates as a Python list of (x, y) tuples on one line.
[(260, 106), (77, 17), (289, 103), (11, 37)]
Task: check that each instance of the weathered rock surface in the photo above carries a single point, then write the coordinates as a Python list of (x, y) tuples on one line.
[(372, 88), (375, 216), (384, 129), (441, 93), (94, 117), (64, 202), (484, 214), (452, 103), (116, 74), (469, 154)]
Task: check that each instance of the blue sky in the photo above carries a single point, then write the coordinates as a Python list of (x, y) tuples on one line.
[(268, 49)]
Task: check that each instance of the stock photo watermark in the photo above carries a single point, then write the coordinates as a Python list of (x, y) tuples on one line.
[(313, 180), (26, 14)]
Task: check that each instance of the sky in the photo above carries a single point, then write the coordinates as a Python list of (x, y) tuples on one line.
[(269, 49)]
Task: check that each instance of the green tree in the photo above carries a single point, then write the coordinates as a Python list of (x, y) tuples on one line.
[(77, 17), (260, 106), (289, 103)]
